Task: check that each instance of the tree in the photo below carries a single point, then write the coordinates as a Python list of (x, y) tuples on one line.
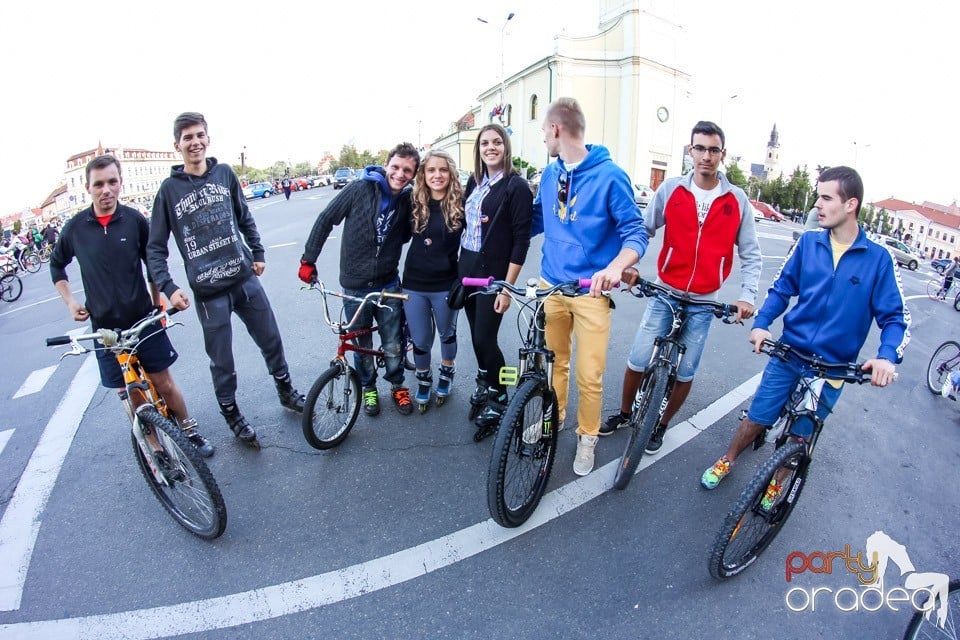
[(735, 175), (17, 226), (866, 216), (303, 169), (524, 168)]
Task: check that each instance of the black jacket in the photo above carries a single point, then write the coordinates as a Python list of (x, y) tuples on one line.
[(111, 262), (363, 264), (207, 215)]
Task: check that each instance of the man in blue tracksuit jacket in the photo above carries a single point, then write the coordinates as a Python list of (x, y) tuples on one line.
[(842, 282)]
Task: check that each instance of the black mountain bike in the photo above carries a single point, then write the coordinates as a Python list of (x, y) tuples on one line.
[(526, 441), (660, 376), (753, 522)]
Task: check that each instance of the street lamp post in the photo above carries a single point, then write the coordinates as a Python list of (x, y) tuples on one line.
[(503, 79), (856, 151), (243, 162)]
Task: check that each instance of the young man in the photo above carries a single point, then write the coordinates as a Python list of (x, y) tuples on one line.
[(109, 241), (592, 228), (704, 217), (286, 187), (843, 282), (202, 204), (375, 211)]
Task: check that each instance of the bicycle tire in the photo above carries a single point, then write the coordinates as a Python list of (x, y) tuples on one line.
[(933, 288), (937, 368), (46, 254), (747, 516), (920, 627), (956, 303), (642, 423), (10, 287), (337, 391), (193, 499), (514, 461), (31, 263)]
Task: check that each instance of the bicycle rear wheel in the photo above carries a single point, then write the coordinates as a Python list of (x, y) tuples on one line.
[(10, 287), (749, 528), (933, 288), (31, 263), (942, 362), (643, 421), (522, 454), (921, 627), (331, 407), (187, 489)]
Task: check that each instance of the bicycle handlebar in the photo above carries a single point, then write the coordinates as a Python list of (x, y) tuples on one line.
[(111, 337), (317, 285), (493, 286), (642, 288), (846, 371)]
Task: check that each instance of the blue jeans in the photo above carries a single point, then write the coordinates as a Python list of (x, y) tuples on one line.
[(656, 322), (388, 321), (777, 384)]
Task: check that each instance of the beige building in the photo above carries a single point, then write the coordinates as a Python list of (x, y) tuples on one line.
[(143, 171), (628, 81), (928, 227)]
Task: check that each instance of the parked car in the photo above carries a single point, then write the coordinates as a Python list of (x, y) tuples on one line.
[(940, 264), (342, 177), (258, 190), (299, 184), (318, 181), (899, 250), (642, 195), (757, 215), (768, 212)]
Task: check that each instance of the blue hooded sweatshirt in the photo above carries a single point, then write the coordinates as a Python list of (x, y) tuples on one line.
[(599, 218)]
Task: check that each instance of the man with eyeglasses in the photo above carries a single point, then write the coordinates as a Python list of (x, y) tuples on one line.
[(704, 216), (592, 228)]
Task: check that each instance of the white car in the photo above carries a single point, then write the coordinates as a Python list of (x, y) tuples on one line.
[(757, 216)]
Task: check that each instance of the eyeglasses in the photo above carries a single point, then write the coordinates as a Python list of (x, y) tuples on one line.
[(562, 188), (700, 149)]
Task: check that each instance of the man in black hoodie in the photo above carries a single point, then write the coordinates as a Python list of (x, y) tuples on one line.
[(202, 204), (375, 212)]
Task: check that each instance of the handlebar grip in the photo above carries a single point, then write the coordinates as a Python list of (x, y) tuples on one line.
[(172, 311), (477, 282), (731, 309), (584, 283), (57, 341), (397, 296)]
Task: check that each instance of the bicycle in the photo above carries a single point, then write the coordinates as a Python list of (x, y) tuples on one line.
[(750, 526), (10, 287), (27, 261), (45, 252), (924, 624), (526, 438), (660, 375), (170, 464), (935, 291), (943, 361), (333, 403)]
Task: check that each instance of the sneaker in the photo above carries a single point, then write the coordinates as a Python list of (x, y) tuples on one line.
[(189, 428), (401, 399), (371, 401), (946, 388), (289, 397), (656, 439), (614, 422), (583, 461), (712, 476), (771, 495)]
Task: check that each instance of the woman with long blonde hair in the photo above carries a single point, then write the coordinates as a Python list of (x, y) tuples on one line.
[(436, 222)]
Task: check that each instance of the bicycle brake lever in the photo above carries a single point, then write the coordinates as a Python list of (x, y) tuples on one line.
[(75, 350)]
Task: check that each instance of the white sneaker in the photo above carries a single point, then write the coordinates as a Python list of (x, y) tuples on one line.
[(583, 461), (947, 387)]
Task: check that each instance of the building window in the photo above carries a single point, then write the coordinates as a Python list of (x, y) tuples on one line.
[(910, 226), (533, 108), (951, 242)]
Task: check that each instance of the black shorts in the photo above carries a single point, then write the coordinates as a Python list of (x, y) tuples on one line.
[(156, 354)]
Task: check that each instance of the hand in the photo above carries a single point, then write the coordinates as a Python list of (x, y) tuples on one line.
[(757, 336), (883, 371), (501, 303), (258, 268), (744, 311), (307, 272), (604, 281), (179, 300), (78, 311)]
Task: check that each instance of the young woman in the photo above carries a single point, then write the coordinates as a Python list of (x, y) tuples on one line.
[(496, 236), (436, 223)]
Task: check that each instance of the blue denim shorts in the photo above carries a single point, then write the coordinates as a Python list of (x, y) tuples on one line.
[(656, 321), (777, 384)]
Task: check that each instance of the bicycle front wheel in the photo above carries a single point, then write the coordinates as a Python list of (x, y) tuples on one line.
[(749, 527), (942, 362), (331, 407), (31, 263), (928, 625), (180, 478), (522, 454), (643, 421), (10, 287)]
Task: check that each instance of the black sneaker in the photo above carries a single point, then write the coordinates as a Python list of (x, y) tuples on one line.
[(237, 423), (371, 401), (656, 439), (614, 422), (401, 399), (289, 397), (189, 427)]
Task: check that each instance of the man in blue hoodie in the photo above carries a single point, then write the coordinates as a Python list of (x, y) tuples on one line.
[(592, 229), (375, 212), (843, 282)]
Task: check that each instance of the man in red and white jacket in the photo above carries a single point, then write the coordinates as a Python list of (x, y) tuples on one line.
[(704, 217)]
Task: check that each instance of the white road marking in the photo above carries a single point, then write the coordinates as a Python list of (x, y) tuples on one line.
[(35, 381), (285, 244), (33, 304), (774, 236), (21, 521), (360, 579), (5, 438)]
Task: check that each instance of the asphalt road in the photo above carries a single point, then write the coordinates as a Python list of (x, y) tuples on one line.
[(388, 535)]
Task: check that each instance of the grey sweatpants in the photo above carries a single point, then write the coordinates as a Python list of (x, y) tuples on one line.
[(426, 312)]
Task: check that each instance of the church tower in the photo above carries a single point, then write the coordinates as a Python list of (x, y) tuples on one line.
[(771, 165)]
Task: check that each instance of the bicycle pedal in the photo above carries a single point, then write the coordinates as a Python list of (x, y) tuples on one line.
[(509, 376)]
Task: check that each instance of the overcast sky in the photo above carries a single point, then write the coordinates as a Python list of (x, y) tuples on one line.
[(291, 81)]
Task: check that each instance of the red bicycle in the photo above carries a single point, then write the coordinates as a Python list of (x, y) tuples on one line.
[(333, 403)]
